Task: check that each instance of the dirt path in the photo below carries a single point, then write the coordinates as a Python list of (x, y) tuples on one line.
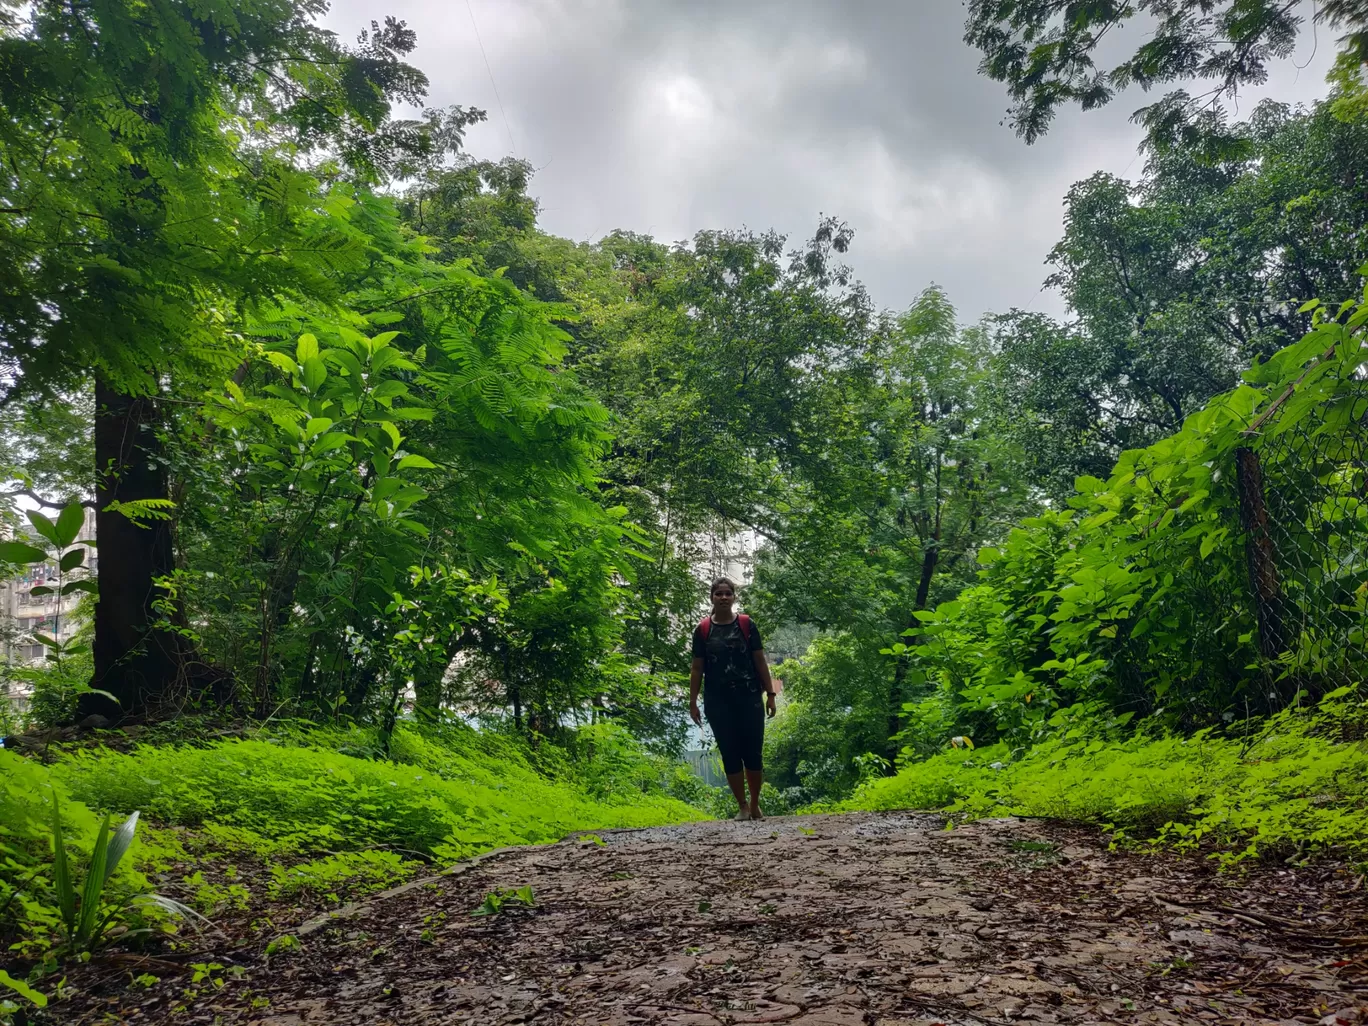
[(840, 920)]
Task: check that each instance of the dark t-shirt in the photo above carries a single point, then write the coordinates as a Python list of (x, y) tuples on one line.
[(728, 663)]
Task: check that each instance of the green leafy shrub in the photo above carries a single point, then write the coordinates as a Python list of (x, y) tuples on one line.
[(211, 898), (611, 766), (454, 792), (837, 704), (57, 686), (356, 872), (495, 901), (65, 882), (683, 784), (443, 801), (1136, 600), (1291, 788), (21, 988)]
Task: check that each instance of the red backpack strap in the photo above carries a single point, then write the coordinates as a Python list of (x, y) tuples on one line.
[(705, 625)]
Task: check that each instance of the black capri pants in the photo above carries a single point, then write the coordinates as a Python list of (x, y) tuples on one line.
[(737, 719)]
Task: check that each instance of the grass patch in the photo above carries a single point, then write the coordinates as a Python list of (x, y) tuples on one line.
[(318, 803)]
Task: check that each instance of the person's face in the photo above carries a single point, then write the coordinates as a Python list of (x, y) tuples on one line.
[(723, 597)]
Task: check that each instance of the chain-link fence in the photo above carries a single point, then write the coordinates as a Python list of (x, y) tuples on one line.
[(1302, 482)]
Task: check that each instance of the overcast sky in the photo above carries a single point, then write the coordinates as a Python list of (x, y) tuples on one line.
[(670, 116)]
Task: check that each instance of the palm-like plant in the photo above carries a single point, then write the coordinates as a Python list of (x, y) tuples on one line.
[(88, 915)]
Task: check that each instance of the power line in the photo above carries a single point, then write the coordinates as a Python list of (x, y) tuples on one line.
[(512, 146)]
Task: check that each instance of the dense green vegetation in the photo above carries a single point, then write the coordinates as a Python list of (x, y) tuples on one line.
[(321, 806), (417, 496), (1292, 788)]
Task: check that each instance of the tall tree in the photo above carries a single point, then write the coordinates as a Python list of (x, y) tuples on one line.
[(1180, 281), (152, 189), (710, 361), (883, 520)]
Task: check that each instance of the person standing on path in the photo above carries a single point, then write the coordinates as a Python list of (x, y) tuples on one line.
[(729, 663)]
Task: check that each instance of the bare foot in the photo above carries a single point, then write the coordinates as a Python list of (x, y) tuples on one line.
[(755, 813)]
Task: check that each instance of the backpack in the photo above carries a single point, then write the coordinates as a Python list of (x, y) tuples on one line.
[(705, 625)]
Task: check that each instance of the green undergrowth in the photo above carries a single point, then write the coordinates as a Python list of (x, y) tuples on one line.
[(1293, 787), (320, 802), (29, 915), (446, 793)]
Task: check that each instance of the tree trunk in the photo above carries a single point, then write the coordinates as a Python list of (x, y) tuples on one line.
[(895, 697), (138, 664)]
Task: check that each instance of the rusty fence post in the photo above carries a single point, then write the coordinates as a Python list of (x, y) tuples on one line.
[(1259, 552)]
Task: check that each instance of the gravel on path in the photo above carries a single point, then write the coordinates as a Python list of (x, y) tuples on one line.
[(885, 919)]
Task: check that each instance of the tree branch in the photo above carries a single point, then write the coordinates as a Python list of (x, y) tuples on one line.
[(30, 494)]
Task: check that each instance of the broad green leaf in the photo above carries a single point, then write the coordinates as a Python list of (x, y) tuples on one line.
[(277, 359), (315, 373), (1210, 542), (289, 394), (408, 494), (385, 487), (21, 987), (415, 462), (41, 590), (345, 360), (21, 552), (391, 357), (87, 585), (306, 349), (44, 526), (332, 440), (69, 523), (288, 422), (72, 560), (317, 425), (392, 432)]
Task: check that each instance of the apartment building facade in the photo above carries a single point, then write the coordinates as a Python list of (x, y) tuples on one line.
[(28, 614)]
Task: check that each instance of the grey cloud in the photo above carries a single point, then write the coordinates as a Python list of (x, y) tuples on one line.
[(670, 117)]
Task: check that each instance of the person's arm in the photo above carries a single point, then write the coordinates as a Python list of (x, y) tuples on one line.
[(695, 682), (766, 681)]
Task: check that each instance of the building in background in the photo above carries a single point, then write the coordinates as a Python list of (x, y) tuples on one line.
[(730, 555), (28, 615)]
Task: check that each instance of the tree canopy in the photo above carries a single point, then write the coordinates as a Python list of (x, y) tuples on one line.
[(1046, 51)]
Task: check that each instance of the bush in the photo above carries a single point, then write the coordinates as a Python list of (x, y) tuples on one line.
[(1292, 788), (611, 766), (355, 872), (448, 800), (294, 790)]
